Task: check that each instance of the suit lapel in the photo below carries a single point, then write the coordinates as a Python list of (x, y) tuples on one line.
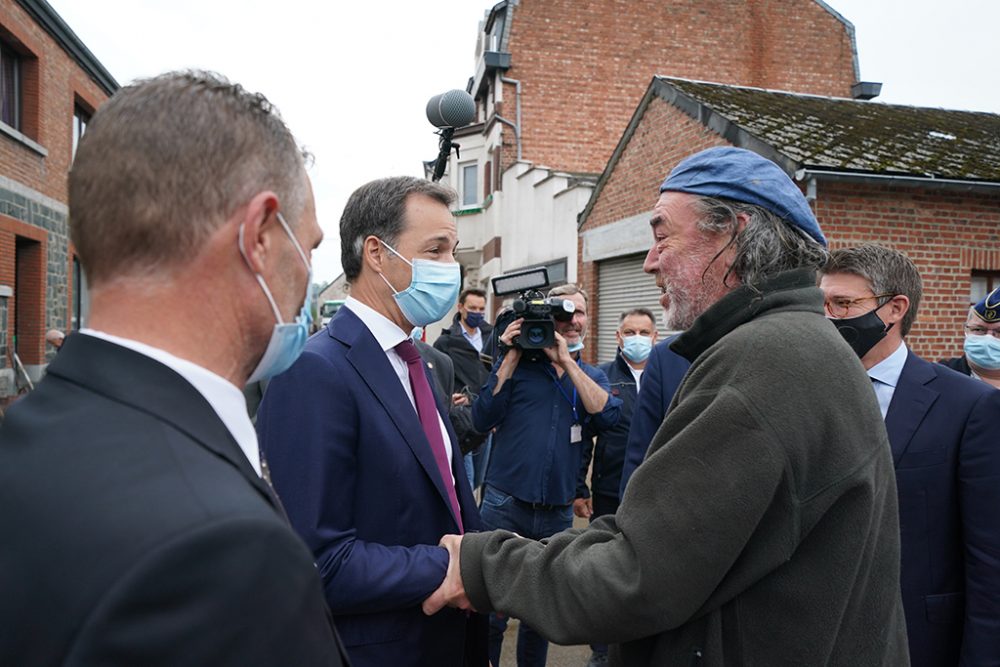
[(374, 369), (910, 402), (145, 384)]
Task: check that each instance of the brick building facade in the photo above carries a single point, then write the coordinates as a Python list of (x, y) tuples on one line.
[(556, 81), (925, 181), (50, 84), (583, 64)]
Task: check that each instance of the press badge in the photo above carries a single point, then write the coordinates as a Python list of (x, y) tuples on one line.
[(575, 434)]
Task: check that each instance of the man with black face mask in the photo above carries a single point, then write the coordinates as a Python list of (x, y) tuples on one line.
[(941, 428), (466, 342)]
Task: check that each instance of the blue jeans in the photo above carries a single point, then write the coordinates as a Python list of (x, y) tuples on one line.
[(501, 511), (480, 461), (475, 463), (469, 472)]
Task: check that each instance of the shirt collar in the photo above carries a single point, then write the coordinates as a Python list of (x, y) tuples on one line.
[(224, 397), (888, 370), (387, 333)]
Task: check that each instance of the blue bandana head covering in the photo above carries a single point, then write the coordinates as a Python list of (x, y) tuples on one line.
[(744, 176), (988, 309)]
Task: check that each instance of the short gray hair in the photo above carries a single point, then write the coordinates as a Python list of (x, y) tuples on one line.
[(377, 209), (888, 271), (166, 161), (766, 246), (569, 289)]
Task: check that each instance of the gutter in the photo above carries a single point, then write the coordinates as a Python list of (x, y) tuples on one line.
[(904, 181), (52, 23)]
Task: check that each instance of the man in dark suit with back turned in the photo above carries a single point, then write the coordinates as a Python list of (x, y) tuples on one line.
[(942, 428), (137, 528), (359, 441)]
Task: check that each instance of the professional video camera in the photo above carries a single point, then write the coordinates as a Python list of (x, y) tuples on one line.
[(539, 312)]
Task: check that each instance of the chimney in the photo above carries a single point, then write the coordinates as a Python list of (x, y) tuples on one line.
[(866, 90)]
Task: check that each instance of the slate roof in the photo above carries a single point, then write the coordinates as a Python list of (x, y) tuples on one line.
[(827, 133)]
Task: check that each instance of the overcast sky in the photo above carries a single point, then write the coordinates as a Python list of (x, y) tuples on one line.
[(352, 78)]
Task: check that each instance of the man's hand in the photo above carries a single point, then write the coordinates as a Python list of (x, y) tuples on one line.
[(459, 399), (511, 356), (512, 331), (451, 592), (583, 508), (559, 353)]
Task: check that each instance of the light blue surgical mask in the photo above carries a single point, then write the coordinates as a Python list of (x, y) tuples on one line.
[(287, 338), (575, 347), (983, 351), (636, 348), (432, 292), (416, 333)]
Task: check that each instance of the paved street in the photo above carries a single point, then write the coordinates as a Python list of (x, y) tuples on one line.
[(559, 656)]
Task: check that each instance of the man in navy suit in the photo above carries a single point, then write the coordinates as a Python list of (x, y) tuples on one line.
[(369, 474), (942, 428), (664, 372), (138, 527)]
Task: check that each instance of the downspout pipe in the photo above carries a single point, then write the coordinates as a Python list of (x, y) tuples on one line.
[(517, 105)]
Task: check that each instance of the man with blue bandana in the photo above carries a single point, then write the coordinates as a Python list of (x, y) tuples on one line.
[(762, 527), (981, 358)]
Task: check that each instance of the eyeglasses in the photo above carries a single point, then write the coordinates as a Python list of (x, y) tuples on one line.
[(982, 331), (841, 307)]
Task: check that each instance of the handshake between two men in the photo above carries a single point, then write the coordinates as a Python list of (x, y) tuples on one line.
[(451, 592)]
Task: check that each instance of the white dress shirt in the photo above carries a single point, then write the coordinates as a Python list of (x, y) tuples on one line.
[(885, 377), (475, 339), (388, 336), (224, 397), (636, 375)]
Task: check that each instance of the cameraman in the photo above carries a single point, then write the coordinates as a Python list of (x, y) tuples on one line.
[(539, 410)]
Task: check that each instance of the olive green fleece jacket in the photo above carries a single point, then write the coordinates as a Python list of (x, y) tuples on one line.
[(762, 527)]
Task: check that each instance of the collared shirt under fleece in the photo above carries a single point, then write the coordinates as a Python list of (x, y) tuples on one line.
[(533, 458)]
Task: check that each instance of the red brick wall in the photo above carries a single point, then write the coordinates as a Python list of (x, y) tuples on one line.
[(49, 96), (585, 64), (947, 234), (29, 283), (52, 85)]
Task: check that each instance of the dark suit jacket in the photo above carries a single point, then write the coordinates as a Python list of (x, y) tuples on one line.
[(470, 371), (357, 476), (440, 369), (135, 531), (662, 376), (943, 428)]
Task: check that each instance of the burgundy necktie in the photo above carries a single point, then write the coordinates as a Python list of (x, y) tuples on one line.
[(427, 411)]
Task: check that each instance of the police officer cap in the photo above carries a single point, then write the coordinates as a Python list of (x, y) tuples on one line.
[(741, 175), (988, 309)]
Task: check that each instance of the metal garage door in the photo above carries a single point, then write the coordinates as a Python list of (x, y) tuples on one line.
[(621, 286)]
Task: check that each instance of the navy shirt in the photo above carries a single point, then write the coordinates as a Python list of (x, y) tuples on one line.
[(663, 375), (533, 413)]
